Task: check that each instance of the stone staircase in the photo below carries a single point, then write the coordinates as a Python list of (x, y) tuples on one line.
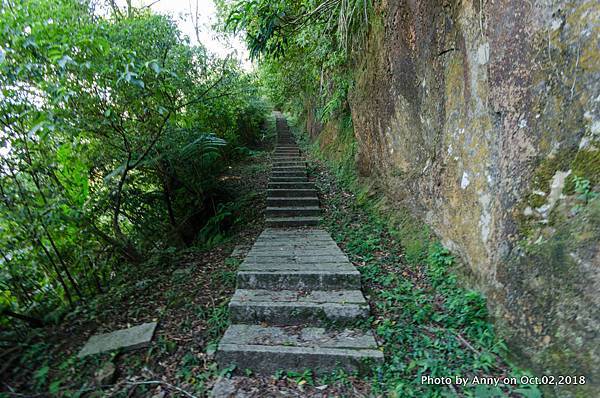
[(298, 297), (291, 199)]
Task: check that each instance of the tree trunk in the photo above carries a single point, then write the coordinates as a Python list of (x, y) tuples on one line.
[(33, 322)]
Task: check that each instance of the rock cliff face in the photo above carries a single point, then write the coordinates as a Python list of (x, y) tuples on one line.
[(483, 116)]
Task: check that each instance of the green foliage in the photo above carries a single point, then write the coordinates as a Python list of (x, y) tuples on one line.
[(114, 131), (583, 188), (304, 377), (272, 26), (304, 49), (217, 319)]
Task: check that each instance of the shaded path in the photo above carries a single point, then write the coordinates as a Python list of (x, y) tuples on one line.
[(298, 298)]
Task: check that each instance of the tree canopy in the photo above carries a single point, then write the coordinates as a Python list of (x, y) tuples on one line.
[(114, 129)]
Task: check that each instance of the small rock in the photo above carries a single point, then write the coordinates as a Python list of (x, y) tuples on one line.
[(106, 375), (223, 388)]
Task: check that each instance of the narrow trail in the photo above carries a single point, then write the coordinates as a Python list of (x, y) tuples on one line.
[(298, 298)]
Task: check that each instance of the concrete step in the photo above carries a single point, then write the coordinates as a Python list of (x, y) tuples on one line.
[(288, 169), (288, 174), (292, 253), (289, 222), (290, 193), (285, 202), (298, 279), (308, 233), (291, 158), (266, 350), (296, 307), (284, 155), (298, 241), (291, 185), (305, 236), (331, 265), (294, 163), (282, 246), (296, 211), (298, 259), (288, 179)]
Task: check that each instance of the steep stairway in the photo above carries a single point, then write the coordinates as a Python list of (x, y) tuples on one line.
[(291, 199), (298, 297)]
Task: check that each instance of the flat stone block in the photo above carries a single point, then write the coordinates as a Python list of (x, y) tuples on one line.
[(298, 280), (286, 222), (298, 337), (291, 193), (287, 266), (267, 350), (289, 307), (296, 296), (128, 339), (339, 258)]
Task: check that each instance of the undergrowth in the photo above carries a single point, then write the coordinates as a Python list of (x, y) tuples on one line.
[(185, 290)]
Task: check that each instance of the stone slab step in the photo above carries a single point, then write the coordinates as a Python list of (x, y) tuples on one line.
[(309, 232), (298, 243), (291, 185), (295, 307), (252, 265), (280, 245), (287, 222), (291, 193), (288, 179), (296, 211), (284, 202), (299, 259), (287, 163), (269, 254), (299, 280), (293, 240), (126, 339), (266, 350), (286, 250), (300, 173), (284, 169), (286, 158), (294, 236)]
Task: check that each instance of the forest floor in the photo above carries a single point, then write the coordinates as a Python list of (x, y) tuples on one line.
[(186, 292)]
